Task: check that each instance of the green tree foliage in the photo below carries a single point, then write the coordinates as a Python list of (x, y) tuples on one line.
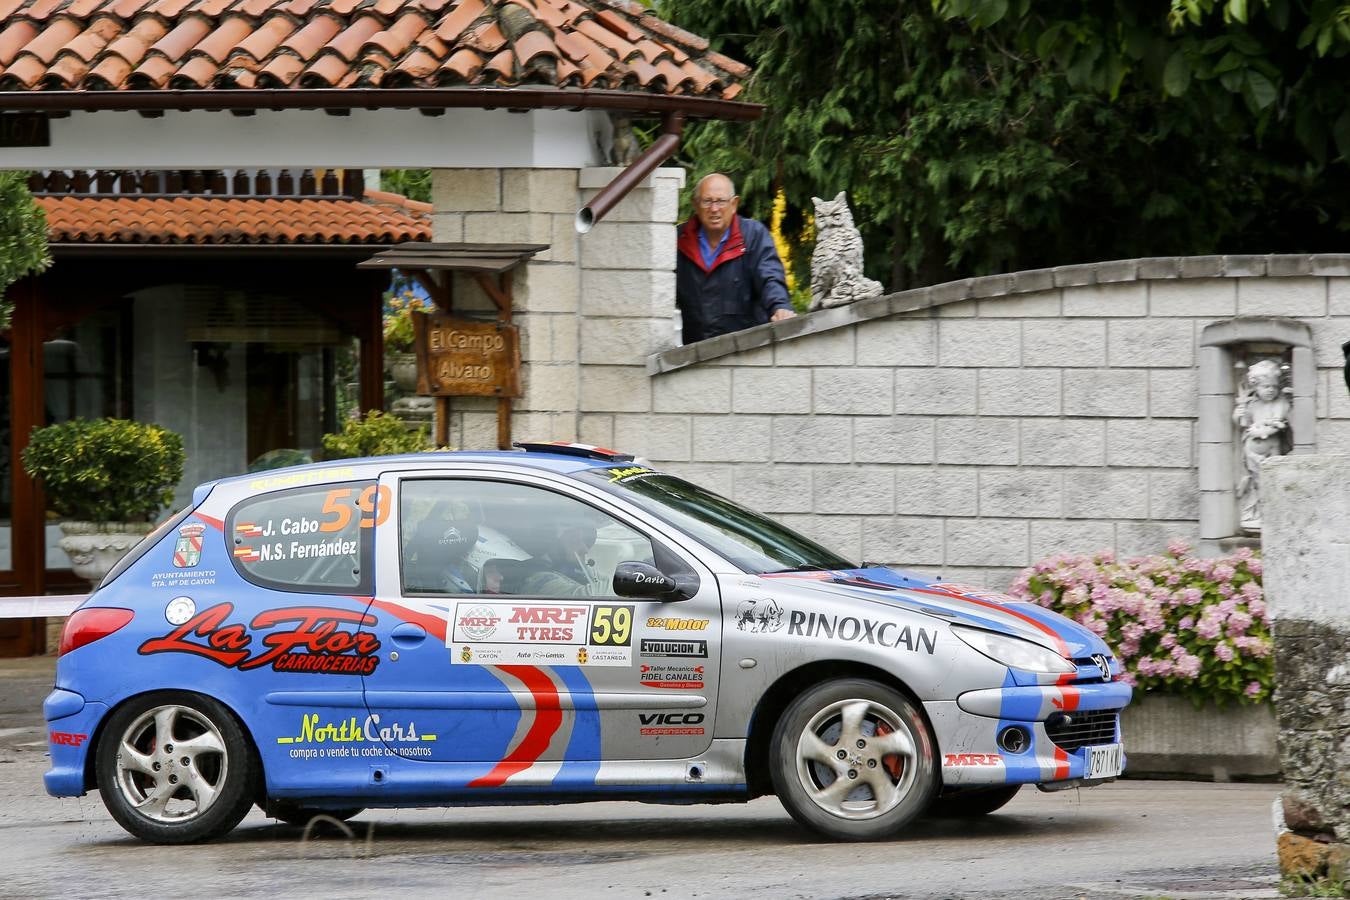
[(415, 184), (23, 236), (980, 136)]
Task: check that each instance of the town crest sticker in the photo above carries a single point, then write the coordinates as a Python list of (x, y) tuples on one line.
[(187, 550)]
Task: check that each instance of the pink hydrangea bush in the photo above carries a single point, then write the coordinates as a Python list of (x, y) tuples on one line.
[(1181, 625)]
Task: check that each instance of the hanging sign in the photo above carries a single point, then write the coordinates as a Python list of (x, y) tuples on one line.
[(464, 358), (25, 129)]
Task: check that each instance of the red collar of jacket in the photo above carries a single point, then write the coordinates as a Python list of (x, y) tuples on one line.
[(732, 249)]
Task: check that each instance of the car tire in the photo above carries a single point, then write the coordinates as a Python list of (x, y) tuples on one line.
[(175, 768), (973, 802), (293, 813), (862, 720)]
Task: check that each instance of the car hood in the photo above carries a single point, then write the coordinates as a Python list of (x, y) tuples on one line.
[(955, 603)]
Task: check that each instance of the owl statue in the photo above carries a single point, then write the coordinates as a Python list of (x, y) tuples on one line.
[(837, 262)]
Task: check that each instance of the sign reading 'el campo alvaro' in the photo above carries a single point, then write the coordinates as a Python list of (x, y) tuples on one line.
[(463, 358)]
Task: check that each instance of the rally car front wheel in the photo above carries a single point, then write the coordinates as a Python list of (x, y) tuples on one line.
[(853, 760), (174, 768)]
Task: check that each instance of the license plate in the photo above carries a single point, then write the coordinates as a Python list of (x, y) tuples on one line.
[(1104, 761)]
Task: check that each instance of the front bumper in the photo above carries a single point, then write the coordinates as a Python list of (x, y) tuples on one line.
[(968, 728)]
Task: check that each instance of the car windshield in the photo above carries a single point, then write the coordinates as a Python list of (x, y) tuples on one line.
[(753, 542)]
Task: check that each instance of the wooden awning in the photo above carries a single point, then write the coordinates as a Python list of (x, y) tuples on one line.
[(490, 259)]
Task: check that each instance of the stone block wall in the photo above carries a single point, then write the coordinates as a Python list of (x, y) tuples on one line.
[(1307, 552), (973, 428)]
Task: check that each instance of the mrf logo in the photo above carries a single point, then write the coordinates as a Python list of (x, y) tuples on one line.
[(67, 738), (545, 624), (311, 639), (973, 759)]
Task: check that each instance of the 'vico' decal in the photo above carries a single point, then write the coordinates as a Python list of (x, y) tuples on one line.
[(862, 631)]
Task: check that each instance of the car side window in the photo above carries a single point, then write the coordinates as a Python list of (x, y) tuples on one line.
[(472, 536), (313, 539)]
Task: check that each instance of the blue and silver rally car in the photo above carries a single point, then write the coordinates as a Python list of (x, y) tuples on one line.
[(560, 624)]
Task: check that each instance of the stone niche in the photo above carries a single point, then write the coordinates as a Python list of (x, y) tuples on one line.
[(1229, 487)]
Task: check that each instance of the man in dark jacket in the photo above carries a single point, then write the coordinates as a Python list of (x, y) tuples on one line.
[(727, 273)]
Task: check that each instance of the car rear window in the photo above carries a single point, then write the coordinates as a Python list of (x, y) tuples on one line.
[(314, 539)]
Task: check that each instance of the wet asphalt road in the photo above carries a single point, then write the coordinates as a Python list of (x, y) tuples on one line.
[(1131, 839)]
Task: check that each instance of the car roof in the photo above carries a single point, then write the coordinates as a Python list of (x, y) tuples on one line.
[(559, 463)]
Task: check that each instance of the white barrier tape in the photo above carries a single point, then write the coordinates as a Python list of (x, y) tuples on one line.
[(39, 607)]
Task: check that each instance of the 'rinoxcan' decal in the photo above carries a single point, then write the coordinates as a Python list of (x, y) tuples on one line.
[(860, 630)]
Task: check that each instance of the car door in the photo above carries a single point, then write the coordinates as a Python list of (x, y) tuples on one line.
[(506, 644)]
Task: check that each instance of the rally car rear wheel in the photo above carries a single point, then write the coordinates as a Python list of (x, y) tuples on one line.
[(853, 760), (174, 768)]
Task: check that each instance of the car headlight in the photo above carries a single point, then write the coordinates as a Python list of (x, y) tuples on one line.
[(1012, 652)]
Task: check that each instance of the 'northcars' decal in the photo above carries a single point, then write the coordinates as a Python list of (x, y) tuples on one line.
[(353, 731), (316, 643), (862, 631)]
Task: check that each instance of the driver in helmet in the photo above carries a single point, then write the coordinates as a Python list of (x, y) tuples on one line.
[(440, 549)]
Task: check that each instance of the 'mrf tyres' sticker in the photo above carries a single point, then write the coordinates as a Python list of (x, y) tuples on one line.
[(540, 634)]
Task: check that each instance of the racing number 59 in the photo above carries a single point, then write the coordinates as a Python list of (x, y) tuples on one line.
[(373, 503), (612, 625)]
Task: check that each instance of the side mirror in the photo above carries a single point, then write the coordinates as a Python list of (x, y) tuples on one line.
[(635, 579)]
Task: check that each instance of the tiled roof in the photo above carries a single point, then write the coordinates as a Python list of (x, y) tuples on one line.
[(196, 219), (188, 45)]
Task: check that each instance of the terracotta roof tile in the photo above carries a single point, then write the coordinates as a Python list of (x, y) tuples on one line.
[(324, 73), (216, 46), (14, 38), (25, 73), (53, 38), (267, 37), (282, 44), (185, 35), (153, 73), (113, 70), (279, 71), (396, 39), (43, 8), (348, 44), (192, 219), (307, 41)]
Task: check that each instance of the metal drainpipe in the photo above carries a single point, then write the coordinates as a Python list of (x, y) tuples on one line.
[(662, 149)]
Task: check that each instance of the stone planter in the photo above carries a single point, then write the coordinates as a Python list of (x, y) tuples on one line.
[(1168, 737), (95, 547), (403, 369)]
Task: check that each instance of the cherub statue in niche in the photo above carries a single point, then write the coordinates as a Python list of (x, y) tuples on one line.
[(1262, 416)]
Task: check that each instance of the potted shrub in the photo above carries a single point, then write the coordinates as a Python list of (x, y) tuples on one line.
[(1194, 637), (378, 434), (107, 479), (399, 356)]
